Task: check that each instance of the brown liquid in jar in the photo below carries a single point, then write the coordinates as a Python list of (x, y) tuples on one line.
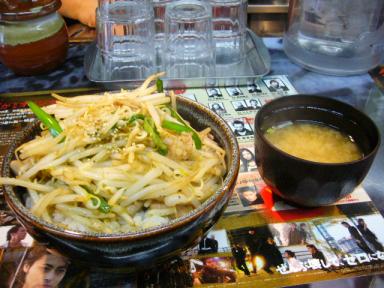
[(36, 57)]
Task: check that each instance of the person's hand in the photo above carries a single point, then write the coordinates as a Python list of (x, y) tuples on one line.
[(81, 10)]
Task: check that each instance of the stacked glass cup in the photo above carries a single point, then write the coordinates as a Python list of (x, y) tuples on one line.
[(124, 30), (184, 38)]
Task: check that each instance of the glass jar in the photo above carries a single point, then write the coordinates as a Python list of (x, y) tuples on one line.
[(33, 36)]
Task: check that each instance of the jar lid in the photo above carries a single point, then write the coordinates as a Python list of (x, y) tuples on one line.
[(19, 10)]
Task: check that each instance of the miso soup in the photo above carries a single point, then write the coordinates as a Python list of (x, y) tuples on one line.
[(314, 142)]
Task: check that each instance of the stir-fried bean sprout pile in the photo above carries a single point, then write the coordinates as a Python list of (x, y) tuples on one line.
[(122, 162)]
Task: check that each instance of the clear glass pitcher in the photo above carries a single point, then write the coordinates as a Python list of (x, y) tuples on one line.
[(337, 37)]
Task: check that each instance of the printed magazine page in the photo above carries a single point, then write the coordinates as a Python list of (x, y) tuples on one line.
[(260, 241)]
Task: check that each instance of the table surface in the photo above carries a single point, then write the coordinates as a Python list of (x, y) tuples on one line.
[(359, 91)]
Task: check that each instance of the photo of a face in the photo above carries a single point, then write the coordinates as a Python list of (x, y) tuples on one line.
[(241, 128), (239, 105), (14, 236), (48, 270), (253, 104), (367, 228), (234, 91), (42, 267), (249, 195), (247, 160), (275, 85), (253, 88), (214, 93), (217, 107)]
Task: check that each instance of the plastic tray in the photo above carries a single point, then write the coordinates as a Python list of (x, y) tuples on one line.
[(255, 64)]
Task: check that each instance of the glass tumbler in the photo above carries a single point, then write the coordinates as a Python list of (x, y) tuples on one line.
[(125, 33), (189, 48), (229, 19), (159, 12)]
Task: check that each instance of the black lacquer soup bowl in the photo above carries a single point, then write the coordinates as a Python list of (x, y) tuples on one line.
[(309, 183)]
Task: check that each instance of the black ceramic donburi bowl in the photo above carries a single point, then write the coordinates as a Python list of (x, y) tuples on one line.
[(305, 182), (147, 246)]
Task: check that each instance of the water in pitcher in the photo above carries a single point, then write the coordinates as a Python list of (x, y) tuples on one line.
[(338, 37)]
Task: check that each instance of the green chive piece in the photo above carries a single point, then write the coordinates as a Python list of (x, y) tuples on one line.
[(49, 121), (176, 127), (104, 206), (135, 117), (159, 86), (150, 127), (195, 135)]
